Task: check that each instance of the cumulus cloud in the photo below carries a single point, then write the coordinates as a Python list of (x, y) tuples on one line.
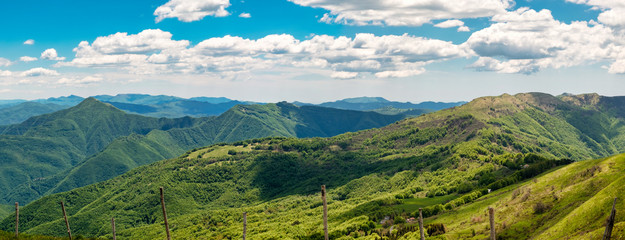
[(29, 42), (36, 72), (526, 41), (192, 10), (618, 67), (51, 54), (5, 62), (245, 15), (27, 59), (613, 11), (404, 13), (453, 23), (390, 55), (5, 73)]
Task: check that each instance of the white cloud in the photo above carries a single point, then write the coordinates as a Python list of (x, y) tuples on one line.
[(5, 73), (453, 23), (124, 50), (27, 59), (463, 29), (29, 42), (50, 54), (404, 13), (613, 11), (526, 41), (80, 81), (192, 10), (396, 56), (35, 72), (344, 75), (245, 15), (5, 62), (450, 23), (618, 67)]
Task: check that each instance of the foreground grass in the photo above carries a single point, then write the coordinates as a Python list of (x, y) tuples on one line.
[(569, 203)]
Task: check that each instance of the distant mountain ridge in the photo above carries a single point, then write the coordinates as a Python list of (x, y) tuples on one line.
[(174, 107), (372, 103)]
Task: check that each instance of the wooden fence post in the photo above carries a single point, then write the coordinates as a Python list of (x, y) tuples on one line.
[(491, 213), (325, 212), (610, 222), (113, 226), (165, 215), (69, 232), (17, 219), (421, 224), (244, 224)]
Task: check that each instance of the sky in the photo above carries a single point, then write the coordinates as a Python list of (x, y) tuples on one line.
[(311, 50)]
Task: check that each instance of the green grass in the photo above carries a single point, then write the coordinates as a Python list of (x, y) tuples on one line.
[(578, 199), (5, 210), (413, 204)]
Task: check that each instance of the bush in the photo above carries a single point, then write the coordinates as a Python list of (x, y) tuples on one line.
[(541, 207), (465, 187), (435, 229), (399, 220)]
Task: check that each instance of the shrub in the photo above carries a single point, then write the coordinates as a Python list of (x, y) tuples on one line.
[(435, 229), (541, 207)]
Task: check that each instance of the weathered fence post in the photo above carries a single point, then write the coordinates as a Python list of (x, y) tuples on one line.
[(610, 222), (244, 224), (113, 226), (165, 214), (17, 219), (421, 224), (491, 213), (69, 232), (325, 212)]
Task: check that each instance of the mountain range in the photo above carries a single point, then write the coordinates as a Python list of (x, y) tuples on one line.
[(442, 161), (94, 141), (17, 111)]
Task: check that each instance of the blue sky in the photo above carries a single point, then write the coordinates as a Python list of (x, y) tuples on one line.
[(311, 50)]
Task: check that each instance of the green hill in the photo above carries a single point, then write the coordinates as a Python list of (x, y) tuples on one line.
[(442, 161), (119, 155), (21, 112), (48, 144)]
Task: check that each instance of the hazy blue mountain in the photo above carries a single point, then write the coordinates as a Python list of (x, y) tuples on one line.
[(11, 102), (371, 103), (22, 111), (143, 99), (71, 100), (211, 99)]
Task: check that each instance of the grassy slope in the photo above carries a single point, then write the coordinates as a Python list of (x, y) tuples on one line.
[(438, 151), (5, 210), (578, 199)]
